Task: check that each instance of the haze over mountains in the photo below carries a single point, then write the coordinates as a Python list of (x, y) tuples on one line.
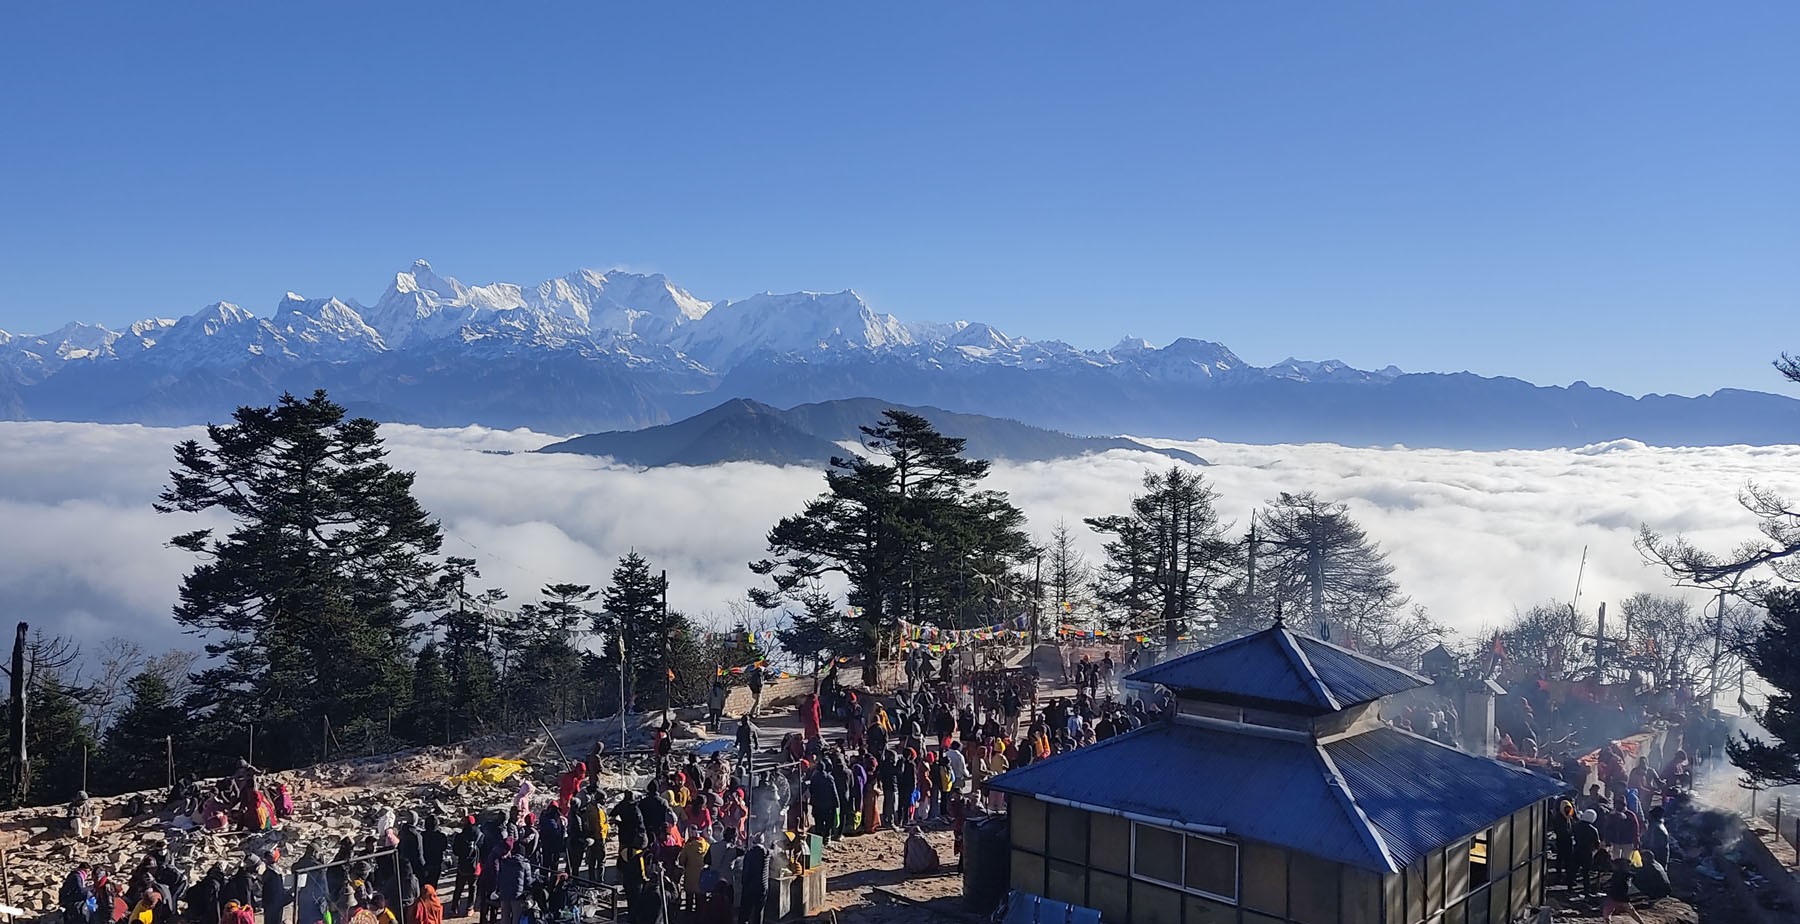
[(616, 350)]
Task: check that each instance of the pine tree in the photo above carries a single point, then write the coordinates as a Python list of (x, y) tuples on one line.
[(307, 600), (1166, 558), (428, 719), (474, 692), (1315, 559), (545, 681), (907, 527), (58, 741), (685, 669), (134, 754), (633, 627), (819, 631), (1775, 657)]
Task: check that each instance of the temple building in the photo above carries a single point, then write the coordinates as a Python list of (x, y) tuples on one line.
[(1276, 794)]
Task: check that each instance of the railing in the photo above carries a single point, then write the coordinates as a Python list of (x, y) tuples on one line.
[(1787, 827)]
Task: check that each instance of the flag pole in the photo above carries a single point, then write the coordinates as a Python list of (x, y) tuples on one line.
[(621, 702), (668, 654)]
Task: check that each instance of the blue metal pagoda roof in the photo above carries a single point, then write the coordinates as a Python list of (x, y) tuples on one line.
[(1281, 670), (1379, 800)]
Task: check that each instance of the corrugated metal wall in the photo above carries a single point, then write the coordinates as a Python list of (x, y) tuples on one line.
[(1083, 858)]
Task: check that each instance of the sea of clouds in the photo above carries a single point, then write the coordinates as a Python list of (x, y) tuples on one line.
[(1472, 535)]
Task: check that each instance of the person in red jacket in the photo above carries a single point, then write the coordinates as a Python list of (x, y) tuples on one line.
[(569, 784), (809, 716)]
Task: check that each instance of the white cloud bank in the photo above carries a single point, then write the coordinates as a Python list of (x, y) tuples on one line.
[(1472, 534)]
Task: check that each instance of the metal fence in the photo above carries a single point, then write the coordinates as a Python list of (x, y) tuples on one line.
[(312, 895)]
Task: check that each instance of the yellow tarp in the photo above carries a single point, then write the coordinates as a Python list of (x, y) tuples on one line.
[(490, 770)]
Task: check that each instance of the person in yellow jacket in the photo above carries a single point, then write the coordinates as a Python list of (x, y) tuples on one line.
[(145, 910), (599, 828), (996, 765), (677, 793), (693, 863)]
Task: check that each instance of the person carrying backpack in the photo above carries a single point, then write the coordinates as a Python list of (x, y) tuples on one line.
[(77, 893)]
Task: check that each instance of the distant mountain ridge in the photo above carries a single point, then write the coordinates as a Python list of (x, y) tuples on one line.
[(605, 350), (741, 430)]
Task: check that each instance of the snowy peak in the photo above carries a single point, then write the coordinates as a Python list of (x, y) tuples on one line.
[(800, 323), (80, 341), (422, 306), (333, 330), (1186, 361), (420, 278), (418, 300), (1329, 370), (216, 317), (615, 301), (979, 341), (221, 334), (150, 327)]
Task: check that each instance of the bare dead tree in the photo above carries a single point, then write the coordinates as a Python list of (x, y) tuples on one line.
[(1068, 578), (38, 661), (119, 660), (174, 667), (1755, 566)]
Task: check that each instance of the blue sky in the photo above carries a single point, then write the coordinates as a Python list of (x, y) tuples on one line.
[(1597, 191)]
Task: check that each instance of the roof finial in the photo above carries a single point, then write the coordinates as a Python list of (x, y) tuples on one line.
[(1279, 622)]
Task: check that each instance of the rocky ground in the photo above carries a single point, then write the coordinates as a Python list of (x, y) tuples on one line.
[(331, 801)]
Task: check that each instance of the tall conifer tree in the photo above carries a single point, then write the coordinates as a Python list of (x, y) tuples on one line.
[(307, 598)]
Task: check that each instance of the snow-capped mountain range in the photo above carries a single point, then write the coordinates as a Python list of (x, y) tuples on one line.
[(598, 350), (588, 311)]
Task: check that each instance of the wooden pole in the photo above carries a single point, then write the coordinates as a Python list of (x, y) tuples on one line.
[(622, 669), (20, 758), (169, 745), (552, 737), (1250, 573), (1037, 599), (251, 760), (1712, 698), (668, 653)]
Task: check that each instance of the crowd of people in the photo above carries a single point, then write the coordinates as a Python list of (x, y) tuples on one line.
[(703, 839), (1615, 834), (706, 836), (1617, 844)]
